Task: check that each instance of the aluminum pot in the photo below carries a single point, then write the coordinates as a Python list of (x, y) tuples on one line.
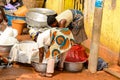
[(44, 11), (5, 48), (36, 19), (73, 66)]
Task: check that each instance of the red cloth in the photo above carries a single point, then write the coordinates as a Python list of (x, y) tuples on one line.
[(76, 54)]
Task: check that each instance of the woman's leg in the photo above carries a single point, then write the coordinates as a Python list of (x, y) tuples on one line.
[(62, 59), (50, 67)]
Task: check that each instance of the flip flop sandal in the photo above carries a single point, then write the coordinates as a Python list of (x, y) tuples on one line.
[(49, 75)]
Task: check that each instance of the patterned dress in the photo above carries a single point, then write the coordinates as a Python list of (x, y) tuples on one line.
[(58, 39), (77, 26), (61, 40)]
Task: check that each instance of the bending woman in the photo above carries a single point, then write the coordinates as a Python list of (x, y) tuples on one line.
[(59, 40), (74, 20)]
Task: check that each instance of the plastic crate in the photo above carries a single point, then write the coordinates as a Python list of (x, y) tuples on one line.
[(11, 17)]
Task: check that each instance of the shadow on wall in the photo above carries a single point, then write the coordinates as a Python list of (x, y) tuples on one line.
[(79, 4)]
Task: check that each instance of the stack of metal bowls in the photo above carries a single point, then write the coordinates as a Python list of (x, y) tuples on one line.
[(37, 17)]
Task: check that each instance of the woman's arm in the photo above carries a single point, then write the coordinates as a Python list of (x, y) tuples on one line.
[(62, 23), (41, 54)]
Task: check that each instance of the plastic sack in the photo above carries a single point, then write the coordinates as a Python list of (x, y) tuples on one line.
[(10, 7), (76, 54), (21, 11), (101, 64)]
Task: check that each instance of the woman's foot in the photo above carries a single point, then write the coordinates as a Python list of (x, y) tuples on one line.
[(60, 69), (46, 75), (59, 66)]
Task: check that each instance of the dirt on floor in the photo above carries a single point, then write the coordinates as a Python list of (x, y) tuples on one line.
[(26, 72)]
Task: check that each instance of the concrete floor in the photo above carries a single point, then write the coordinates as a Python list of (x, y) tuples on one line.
[(26, 72)]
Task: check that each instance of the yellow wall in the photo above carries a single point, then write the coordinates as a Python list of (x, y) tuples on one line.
[(59, 5), (111, 27), (110, 31)]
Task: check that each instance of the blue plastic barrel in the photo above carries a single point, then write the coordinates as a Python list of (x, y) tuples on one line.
[(11, 17)]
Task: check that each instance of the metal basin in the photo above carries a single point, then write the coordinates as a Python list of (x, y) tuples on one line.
[(44, 11), (73, 66), (39, 67), (42, 67), (5, 48), (36, 19)]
